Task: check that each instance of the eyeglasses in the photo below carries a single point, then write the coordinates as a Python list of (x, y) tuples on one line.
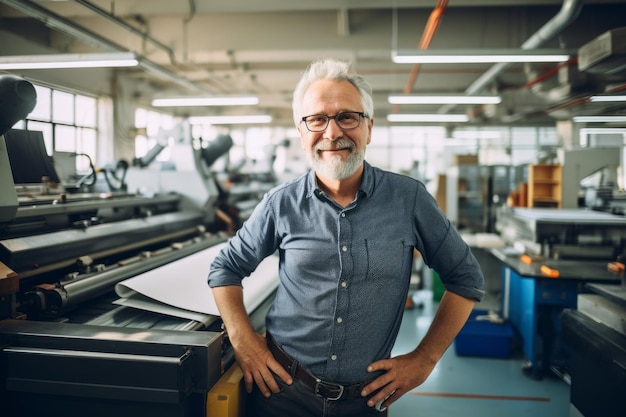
[(346, 120)]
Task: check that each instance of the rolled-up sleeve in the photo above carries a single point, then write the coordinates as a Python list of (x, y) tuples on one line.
[(252, 243), (445, 251)]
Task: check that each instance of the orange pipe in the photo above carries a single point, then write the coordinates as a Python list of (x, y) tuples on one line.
[(550, 73), (427, 36), (429, 32)]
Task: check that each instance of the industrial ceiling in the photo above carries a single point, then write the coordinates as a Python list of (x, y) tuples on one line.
[(241, 47)]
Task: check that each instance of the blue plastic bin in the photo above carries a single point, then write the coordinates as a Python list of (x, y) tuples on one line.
[(483, 338)]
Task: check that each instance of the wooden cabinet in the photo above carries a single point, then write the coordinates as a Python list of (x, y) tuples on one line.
[(545, 185)]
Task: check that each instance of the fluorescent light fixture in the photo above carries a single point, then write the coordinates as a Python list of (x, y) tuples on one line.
[(477, 134), (206, 101), (480, 56), (607, 98), (598, 119), (231, 120), (443, 99), (421, 118), (51, 61), (603, 131)]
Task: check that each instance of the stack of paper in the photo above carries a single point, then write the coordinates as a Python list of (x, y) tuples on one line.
[(180, 288)]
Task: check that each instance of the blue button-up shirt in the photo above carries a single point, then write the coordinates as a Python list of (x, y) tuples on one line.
[(345, 272)]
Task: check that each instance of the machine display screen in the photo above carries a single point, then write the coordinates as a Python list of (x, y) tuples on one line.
[(28, 157)]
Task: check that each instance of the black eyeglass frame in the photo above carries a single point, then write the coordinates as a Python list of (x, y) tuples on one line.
[(329, 118)]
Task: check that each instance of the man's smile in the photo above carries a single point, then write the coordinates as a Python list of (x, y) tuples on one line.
[(337, 146), (334, 150)]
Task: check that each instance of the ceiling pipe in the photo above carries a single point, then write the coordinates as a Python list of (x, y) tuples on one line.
[(66, 26), (103, 13), (436, 15), (550, 73), (432, 25), (570, 10), (583, 100)]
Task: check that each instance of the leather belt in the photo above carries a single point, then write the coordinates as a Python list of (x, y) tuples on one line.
[(328, 390)]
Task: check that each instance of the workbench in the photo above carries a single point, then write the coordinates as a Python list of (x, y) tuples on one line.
[(533, 302)]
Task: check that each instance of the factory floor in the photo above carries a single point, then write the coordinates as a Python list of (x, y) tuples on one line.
[(474, 386)]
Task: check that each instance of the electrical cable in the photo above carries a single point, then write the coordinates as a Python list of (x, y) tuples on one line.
[(91, 175), (112, 171)]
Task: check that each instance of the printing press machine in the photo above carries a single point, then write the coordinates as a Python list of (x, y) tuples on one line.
[(66, 349), (554, 259)]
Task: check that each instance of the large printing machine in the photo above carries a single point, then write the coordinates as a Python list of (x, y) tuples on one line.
[(563, 290), (66, 349)]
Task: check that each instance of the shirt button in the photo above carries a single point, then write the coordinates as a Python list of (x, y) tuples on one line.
[(339, 320), (344, 284), (344, 248), (343, 214), (333, 357)]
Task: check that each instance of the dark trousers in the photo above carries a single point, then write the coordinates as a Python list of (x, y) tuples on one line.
[(298, 400)]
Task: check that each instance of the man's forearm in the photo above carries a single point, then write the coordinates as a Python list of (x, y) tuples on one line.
[(229, 301), (450, 317)]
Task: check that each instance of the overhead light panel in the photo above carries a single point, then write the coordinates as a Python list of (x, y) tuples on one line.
[(603, 131), (479, 56), (443, 99), (598, 119), (477, 134), (427, 118), (607, 98), (56, 61), (206, 101), (231, 120)]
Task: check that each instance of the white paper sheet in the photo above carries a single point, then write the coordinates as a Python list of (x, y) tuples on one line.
[(138, 301), (183, 284)]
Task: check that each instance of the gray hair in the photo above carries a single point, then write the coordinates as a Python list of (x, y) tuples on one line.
[(334, 70)]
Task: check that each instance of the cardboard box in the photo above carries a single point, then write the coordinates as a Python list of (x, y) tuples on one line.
[(466, 159), (227, 397), (483, 338)]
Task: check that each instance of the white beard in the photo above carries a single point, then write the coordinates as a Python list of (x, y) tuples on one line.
[(335, 168)]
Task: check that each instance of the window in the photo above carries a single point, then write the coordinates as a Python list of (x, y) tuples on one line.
[(255, 149), (62, 107), (69, 123), (154, 128), (43, 108)]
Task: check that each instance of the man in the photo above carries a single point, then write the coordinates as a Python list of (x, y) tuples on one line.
[(345, 233)]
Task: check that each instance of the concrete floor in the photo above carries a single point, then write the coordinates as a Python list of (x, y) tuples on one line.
[(474, 386)]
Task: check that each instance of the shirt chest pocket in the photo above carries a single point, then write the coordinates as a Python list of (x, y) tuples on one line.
[(383, 261)]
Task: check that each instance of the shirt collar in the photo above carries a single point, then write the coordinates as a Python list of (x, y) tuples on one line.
[(367, 182)]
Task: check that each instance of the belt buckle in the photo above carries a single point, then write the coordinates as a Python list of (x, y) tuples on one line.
[(325, 390)]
